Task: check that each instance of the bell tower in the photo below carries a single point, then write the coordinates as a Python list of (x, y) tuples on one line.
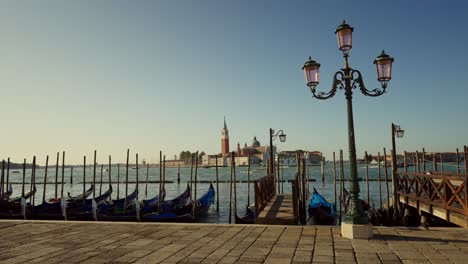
[(225, 139)]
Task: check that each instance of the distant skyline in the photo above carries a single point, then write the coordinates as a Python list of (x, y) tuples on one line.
[(161, 75)]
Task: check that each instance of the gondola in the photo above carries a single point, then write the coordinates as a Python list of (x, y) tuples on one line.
[(8, 193), (125, 209), (364, 205), (54, 208), (84, 209), (321, 211), (26, 195), (151, 205), (185, 213), (248, 217), (82, 196)]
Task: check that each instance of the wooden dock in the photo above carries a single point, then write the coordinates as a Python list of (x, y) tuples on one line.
[(279, 211), (107, 242)]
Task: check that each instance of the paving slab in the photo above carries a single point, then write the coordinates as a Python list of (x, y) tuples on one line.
[(110, 242)]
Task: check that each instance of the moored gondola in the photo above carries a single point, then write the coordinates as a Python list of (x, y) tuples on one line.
[(248, 217), (320, 211), (125, 209), (85, 209)]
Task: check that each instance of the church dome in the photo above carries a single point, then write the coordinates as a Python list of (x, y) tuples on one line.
[(255, 143)]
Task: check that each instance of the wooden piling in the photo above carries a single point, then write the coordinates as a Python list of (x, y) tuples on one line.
[(56, 175), (160, 183), (100, 181), (424, 160), (110, 175), (217, 185), (2, 183), (147, 177), (379, 180), (415, 167), (334, 177), (441, 162), (191, 179), (8, 173), (387, 192), (248, 182), (84, 176), (63, 173), (458, 162), (164, 173), (230, 191), (282, 176), (434, 162), (33, 180), (45, 179), (24, 178), (118, 181), (417, 163), (465, 158), (195, 188), (277, 174), (235, 184), (94, 175), (178, 174), (71, 175), (367, 177), (126, 179), (304, 194), (137, 187), (342, 201), (322, 169)]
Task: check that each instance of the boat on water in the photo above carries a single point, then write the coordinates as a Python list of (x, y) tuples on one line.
[(14, 208), (85, 209), (181, 208), (124, 209), (248, 217), (321, 212)]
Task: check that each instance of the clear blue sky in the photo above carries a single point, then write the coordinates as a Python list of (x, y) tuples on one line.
[(160, 75)]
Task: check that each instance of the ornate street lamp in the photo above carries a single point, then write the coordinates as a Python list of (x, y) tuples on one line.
[(348, 79), (398, 132), (273, 136)]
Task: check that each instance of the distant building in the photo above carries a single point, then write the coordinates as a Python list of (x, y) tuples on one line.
[(224, 139), (289, 157)]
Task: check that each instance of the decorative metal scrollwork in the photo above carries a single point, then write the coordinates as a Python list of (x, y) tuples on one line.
[(358, 82)]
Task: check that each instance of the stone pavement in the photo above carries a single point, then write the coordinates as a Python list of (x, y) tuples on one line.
[(101, 242)]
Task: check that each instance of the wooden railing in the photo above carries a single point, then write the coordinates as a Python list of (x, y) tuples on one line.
[(447, 191), (264, 191)]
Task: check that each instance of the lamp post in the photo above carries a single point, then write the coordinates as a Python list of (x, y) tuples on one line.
[(273, 136), (398, 132), (348, 79)]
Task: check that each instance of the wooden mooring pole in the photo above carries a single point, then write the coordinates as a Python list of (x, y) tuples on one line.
[(379, 180), (322, 167), (465, 158), (195, 189), (147, 178), (8, 173), (248, 181), (434, 162), (282, 176), (110, 176), (458, 162), (191, 179), (230, 190), (71, 175), (235, 184), (137, 186), (334, 177), (45, 179), (178, 174), (342, 200), (33, 180), (24, 178), (126, 179), (160, 183), (2, 189), (94, 175), (118, 181), (424, 160), (63, 173), (56, 175), (387, 192), (217, 184), (84, 177), (100, 181), (441, 162), (367, 177)]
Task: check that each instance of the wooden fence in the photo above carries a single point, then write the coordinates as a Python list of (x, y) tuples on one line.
[(264, 190)]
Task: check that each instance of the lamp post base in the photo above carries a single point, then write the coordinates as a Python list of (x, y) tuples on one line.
[(356, 231)]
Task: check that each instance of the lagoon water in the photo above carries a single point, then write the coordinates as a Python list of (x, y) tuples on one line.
[(208, 174)]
